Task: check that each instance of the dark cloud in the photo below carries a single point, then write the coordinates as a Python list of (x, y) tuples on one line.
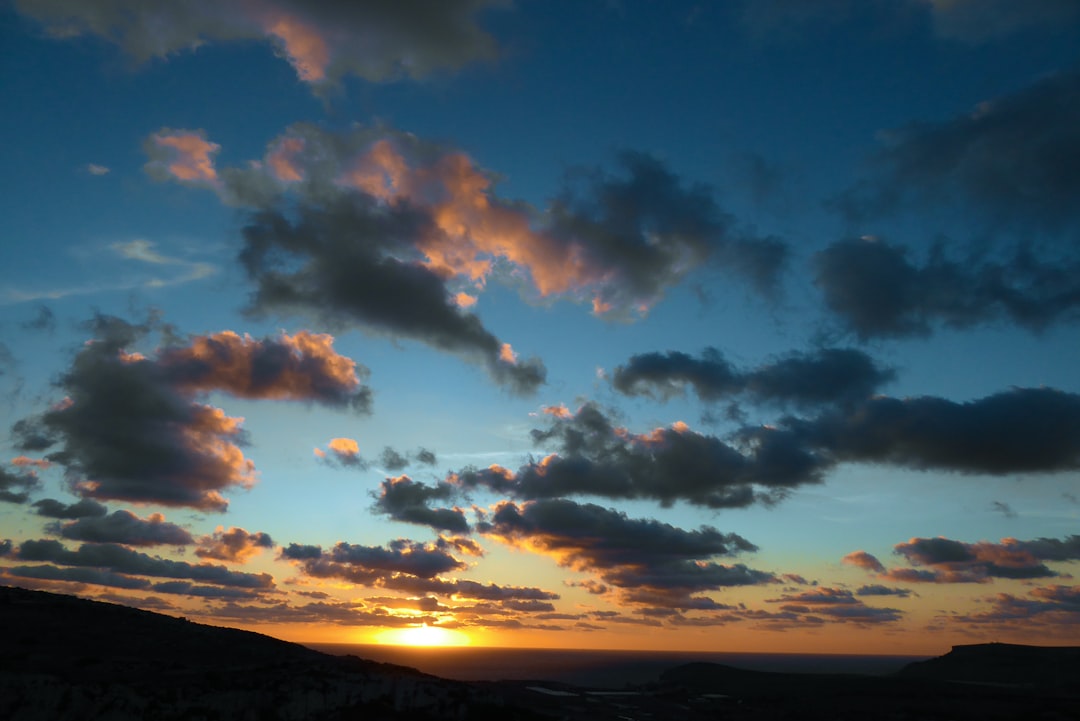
[(44, 319), (126, 433), (1044, 606), (944, 560), (118, 559), (646, 229), (324, 40), (1012, 161), (466, 589), (95, 576), (6, 547), (879, 590), (7, 360), (632, 554), (834, 605), (403, 499), (333, 265), (15, 486), (426, 457), (364, 565), (186, 588), (1003, 508), (594, 457), (235, 545), (125, 528), (827, 375), (877, 290), (1015, 431), (392, 460), (84, 508), (300, 367)]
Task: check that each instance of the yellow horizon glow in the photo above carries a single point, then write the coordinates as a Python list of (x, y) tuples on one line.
[(423, 636)]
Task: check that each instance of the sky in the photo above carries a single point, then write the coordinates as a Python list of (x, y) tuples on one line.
[(745, 325)]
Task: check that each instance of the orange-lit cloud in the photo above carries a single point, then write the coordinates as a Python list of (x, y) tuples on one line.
[(235, 544), (25, 461), (301, 367), (186, 155), (282, 159), (303, 45), (464, 300)]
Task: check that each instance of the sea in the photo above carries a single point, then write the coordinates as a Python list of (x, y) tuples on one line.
[(599, 669)]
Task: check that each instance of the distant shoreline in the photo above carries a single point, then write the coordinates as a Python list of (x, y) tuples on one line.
[(601, 667)]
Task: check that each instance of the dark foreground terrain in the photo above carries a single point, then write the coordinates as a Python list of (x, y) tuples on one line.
[(66, 658)]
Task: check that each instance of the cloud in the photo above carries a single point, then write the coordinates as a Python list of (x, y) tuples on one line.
[(863, 560), (126, 433), (84, 508), (828, 375), (95, 576), (118, 559), (1021, 430), (632, 554), (125, 528), (144, 251), (328, 265), (420, 229), (364, 565), (95, 169), (594, 457), (1010, 162), (130, 428), (182, 155), (876, 290), (979, 21), (1003, 508), (836, 605), (44, 319), (323, 40), (235, 545), (1043, 606), (879, 590), (403, 499), (944, 560), (342, 451), (303, 367), (15, 487)]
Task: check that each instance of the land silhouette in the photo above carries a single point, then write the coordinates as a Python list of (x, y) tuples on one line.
[(69, 658)]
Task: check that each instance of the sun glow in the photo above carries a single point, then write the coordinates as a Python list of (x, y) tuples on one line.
[(424, 635)]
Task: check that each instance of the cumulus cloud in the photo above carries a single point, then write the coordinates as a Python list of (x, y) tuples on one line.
[(626, 553), (235, 545), (15, 486), (131, 429), (323, 40), (595, 457), (403, 499), (364, 565), (828, 375), (303, 367), (1020, 430), (126, 433), (124, 527), (836, 605), (83, 508), (877, 290), (342, 451), (118, 559), (944, 560), (182, 155), (1010, 161), (1045, 606)]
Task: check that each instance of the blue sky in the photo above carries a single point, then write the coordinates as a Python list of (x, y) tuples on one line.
[(764, 284)]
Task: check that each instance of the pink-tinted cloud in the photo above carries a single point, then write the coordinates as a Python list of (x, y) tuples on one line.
[(185, 155), (283, 161), (302, 43), (863, 560), (26, 462), (345, 451)]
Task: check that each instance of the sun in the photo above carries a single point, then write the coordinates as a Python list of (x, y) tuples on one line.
[(424, 635)]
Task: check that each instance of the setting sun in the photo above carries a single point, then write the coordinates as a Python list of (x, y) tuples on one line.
[(423, 636)]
